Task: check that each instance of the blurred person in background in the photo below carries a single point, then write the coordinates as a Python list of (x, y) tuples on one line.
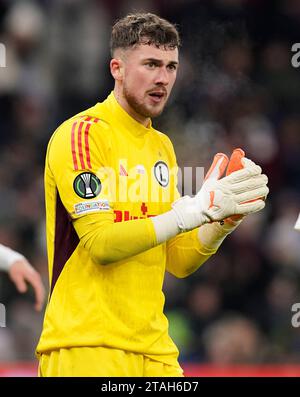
[(21, 272), (234, 339), (108, 256)]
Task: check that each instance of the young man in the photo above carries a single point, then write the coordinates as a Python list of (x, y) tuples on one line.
[(20, 272), (114, 221)]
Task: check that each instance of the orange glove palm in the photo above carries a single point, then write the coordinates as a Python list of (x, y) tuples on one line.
[(218, 167), (235, 164)]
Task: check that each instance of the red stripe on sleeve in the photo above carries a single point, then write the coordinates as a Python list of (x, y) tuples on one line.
[(86, 141), (73, 146), (80, 146)]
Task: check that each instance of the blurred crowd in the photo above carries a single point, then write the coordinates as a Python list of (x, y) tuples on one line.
[(236, 88)]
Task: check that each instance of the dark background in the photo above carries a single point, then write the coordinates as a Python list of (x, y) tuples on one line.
[(236, 88)]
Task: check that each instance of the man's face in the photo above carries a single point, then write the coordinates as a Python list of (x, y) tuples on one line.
[(149, 76)]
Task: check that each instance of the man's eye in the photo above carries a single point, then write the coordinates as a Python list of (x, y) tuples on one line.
[(151, 64), (172, 67)]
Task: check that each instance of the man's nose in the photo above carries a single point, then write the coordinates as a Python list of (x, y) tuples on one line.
[(162, 76)]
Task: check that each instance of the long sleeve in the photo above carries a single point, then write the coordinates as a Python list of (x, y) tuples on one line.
[(110, 242), (185, 254), (8, 257)]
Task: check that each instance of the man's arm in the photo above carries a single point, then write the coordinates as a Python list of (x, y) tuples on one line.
[(238, 193), (187, 252), (20, 272), (110, 242)]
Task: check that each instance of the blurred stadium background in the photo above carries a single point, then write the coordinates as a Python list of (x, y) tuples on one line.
[(236, 87)]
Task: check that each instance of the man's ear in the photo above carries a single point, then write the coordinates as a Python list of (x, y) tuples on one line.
[(117, 68)]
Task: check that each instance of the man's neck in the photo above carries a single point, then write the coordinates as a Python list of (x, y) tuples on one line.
[(145, 121)]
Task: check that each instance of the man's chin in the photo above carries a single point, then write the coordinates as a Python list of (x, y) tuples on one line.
[(152, 113)]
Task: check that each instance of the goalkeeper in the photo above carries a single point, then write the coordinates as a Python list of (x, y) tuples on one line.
[(115, 222)]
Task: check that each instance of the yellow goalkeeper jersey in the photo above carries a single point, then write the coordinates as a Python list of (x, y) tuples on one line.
[(103, 164)]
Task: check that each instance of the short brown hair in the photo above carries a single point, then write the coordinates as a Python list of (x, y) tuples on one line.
[(143, 28)]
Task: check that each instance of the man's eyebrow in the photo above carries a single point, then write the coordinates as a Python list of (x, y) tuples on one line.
[(159, 61)]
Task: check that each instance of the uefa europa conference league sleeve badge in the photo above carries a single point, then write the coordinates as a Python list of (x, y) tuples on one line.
[(87, 185)]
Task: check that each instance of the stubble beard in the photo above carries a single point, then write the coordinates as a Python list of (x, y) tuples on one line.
[(139, 107)]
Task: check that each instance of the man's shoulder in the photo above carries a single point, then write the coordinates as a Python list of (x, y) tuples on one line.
[(79, 136), (88, 122), (96, 114)]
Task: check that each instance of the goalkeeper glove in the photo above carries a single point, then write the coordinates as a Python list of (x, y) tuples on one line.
[(236, 163), (236, 194)]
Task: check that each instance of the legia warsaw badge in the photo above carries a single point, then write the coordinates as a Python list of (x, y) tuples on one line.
[(87, 185), (161, 173)]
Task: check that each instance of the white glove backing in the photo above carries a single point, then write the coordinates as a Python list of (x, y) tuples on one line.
[(239, 193)]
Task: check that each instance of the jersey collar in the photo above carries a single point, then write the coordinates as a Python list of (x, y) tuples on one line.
[(120, 115)]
